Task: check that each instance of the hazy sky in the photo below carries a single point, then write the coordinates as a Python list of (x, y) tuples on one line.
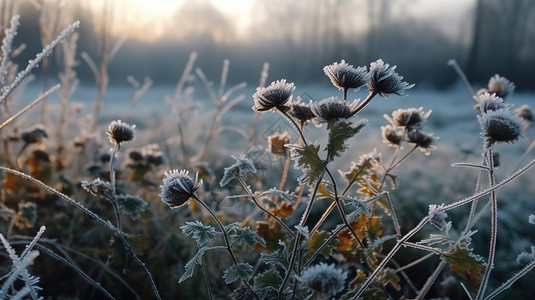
[(151, 20)]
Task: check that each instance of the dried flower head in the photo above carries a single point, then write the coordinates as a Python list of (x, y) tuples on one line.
[(276, 95), (34, 135), (499, 126), (488, 102), (152, 154), (276, 144), (324, 279), (344, 76), (301, 111), (525, 113), (423, 140), (392, 135), (500, 86), (411, 118), (331, 109), (178, 188), (385, 81), (119, 132), (437, 217)]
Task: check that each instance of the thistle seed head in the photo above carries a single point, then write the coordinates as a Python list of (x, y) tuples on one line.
[(344, 76), (525, 113), (412, 118), (392, 135), (301, 111), (489, 102), (324, 279), (178, 187), (276, 95), (385, 81), (119, 132), (500, 86), (424, 141), (331, 110), (499, 126)]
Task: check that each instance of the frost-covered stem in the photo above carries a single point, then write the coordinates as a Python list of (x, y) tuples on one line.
[(290, 266), (225, 237), (489, 189), (412, 264), (364, 103), (75, 269), (329, 240), (494, 228), (90, 213), (284, 174), (453, 63), (341, 210), (431, 280), (207, 279), (113, 188), (345, 93), (253, 197), (285, 114), (389, 256), (7, 43), (263, 78), (404, 157), (473, 205), (512, 280), (31, 105), (35, 62)]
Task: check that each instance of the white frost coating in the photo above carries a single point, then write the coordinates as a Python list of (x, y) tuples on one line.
[(6, 46), (33, 63)]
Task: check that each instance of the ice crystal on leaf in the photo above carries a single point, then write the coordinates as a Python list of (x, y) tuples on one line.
[(437, 217), (241, 166)]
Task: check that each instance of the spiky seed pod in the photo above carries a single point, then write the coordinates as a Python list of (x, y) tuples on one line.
[(344, 76), (331, 109), (411, 118), (525, 113), (324, 279), (301, 111), (178, 187), (276, 95), (385, 81), (489, 102), (499, 126), (392, 136), (119, 132), (424, 141), (500, 86)]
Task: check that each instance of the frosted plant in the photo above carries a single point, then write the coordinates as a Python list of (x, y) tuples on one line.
[(241, 166), (385, 81), (500, 86), (7, 43), (301, 111), (411, 118), (489, 102), (331, 109), (275, 96), (324, 279), (120, 132), (345, 76), (178, 187), (424, 141), (19, 270), (437, 217), (525, 113), (499, 126), (33, 63), (392, 135)]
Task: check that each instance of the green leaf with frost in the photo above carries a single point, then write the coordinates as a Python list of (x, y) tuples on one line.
[(357, 207), (465, 260), (239, 271), (131, 205), (197, 259), (338, 134), (279, 257), (203, 234), (267, 283), (318, 239), (358, 170), (26, 215), (247, 236), (389, 276), (285, 196), (307, 159)]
